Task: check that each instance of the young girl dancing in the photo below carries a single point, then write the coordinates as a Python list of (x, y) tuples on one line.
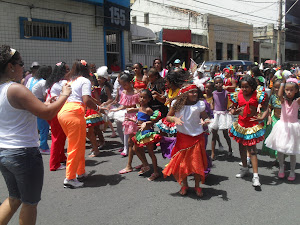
[(188, 154), (222, 119), (128, 99), (286, 132), (249, 129), (146, 136), (275, 109)]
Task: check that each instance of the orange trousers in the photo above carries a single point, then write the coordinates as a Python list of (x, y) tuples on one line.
[(71, 119)]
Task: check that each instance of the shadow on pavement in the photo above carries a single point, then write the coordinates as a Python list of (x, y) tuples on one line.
[(99, 180), (208, 193), (90, 162), (213, 179)]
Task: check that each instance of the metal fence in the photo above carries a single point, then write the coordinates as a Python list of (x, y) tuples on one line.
[(145, 53)]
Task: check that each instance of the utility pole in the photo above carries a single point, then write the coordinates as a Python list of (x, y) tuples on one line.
[(279, 34)]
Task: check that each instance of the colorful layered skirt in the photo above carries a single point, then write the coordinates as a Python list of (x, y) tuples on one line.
[(146, 137), (166, 127), (247, 135), (93, 118)]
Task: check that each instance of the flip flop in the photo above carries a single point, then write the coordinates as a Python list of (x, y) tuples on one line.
[(198, 191), (123, 171), (92, 155), (183, 190), (139, 167)]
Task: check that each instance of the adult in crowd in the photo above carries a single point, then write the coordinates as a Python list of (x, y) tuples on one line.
[(21, 162), (54, 85), (71, 119), (34, 68), (36, 84), (157, 64)]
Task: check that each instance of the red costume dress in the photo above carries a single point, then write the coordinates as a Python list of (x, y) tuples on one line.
[(138, 84), (244, 130)]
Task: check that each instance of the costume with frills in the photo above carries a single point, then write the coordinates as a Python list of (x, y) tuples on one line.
[(244, 130), (138, 84), (222, 119), (146, 137), (92, 117), (274, 102), (188, 154), (163, 125), (285, 134), (129, 100)]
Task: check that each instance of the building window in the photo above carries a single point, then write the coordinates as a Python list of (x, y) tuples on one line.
[(146, 18), (45, 30), (219, 51), (134, 20), (229, 51), (113, 48)]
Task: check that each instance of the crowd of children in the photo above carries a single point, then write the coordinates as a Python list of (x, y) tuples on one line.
[(174, 111)]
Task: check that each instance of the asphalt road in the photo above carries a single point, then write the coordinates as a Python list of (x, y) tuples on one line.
[(110, 198)]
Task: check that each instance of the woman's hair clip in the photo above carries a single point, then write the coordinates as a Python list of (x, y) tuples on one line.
[(83, 62), (58, 64), (12, 52)]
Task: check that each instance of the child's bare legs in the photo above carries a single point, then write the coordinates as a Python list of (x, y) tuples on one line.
[(184, 187), (213, 143), (130, 152), (92, 137), (99, 134), (227, 138), (141, 155), (219, 142), (243, 154), (150, 148), (198, 190), (253, 156), (112, 129)]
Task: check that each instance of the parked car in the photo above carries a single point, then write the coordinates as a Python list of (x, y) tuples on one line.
[(209, 65)]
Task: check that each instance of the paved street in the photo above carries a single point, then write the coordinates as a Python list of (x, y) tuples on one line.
[(110, 198)]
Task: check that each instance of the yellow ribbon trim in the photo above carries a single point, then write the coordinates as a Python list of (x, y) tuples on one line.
[(248, 130)]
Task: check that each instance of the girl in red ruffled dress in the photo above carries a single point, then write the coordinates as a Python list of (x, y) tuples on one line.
[(188, 154), (249, 129)]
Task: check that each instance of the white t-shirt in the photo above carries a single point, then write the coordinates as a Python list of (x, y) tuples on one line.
[(57, 87), (163, 73), (191, 119), (38, 88), (80, 87)]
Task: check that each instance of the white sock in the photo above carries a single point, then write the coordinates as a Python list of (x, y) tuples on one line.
[(255, 174)]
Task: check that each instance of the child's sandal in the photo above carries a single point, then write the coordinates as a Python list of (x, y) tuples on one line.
[(198, 191), (183, 190), (153, 176), (143, 170)]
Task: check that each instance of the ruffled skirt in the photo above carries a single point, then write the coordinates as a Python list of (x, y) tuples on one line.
[(93, 118), (118, 115), (130, 127), (247, 136), (164, 126), (221, 121), (146, 137), (188, 157), (284, 138)]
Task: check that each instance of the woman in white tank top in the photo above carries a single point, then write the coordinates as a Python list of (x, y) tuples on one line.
[(19, 154)]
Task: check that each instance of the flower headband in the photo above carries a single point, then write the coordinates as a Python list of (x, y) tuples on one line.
[(83, 62), (188, 88), (292, 80), (58, 64)]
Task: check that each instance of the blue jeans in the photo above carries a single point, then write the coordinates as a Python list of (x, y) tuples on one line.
[(43, 127), (23, 172)]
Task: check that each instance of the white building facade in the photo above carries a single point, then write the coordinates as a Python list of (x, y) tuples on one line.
[(64, 30)]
